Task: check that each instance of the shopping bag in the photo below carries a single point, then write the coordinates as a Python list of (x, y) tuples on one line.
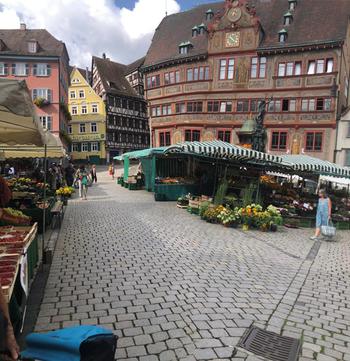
[(329, 230), (83, 343)]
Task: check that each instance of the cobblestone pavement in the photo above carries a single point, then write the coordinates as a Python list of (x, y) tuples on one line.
[(173, 287)]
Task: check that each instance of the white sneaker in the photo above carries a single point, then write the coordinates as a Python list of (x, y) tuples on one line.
[(313, 238)]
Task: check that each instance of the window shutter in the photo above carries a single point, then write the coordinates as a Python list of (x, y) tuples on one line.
[(35, 93), (49, 95), (27, 69), (35, 67), (13, 71), (48, 69)]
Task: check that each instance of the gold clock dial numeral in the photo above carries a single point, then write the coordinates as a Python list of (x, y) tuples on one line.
[(233, 39)]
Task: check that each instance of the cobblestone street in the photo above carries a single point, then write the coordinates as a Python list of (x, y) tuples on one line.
[(173, 287)]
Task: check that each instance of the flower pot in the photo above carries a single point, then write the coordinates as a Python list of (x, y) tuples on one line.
[(273, 227), (245, 227)]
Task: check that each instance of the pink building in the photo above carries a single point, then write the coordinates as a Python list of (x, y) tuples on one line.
[(35, 56)]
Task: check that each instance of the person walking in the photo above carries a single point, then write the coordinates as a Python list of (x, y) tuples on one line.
[(324, 213), (83, 180), (69, 172), (111, 170), (93, 173)]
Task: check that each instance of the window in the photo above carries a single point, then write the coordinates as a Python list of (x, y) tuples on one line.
[(82, 128), (347, 158), (94, 108), (84, 147), (213, 106), (200, 73), (69, 129), (166, 109), (274, 106), (156, 111), (289, 69), (308, 105), (279, 141), (323, 104), (94, 146), (42, 93), (183, 49), (282, 37), (243, 106), (288, 105), (224, 135), (76, 147), (192, 135), (180, 108), (314, 141), (194, 107), (3, 69), (172, 77), (258, 67), (164, 139), (153, 81), (329, 65), (254, 105), (320, 66), (32, 46), (227, 68), (72, 94), (81, 93), (83, 109), (93, 127), (41, 69), (225, 107), (74, 110), (20, 69), (46, 122)]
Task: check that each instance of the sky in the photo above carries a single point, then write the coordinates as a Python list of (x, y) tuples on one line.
[(122, 29)]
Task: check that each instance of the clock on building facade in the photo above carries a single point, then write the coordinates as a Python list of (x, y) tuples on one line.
[(232, 39)]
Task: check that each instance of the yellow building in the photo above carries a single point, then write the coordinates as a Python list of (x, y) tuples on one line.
[(87, 129)]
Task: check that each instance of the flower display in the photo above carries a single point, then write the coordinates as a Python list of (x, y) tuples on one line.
[(65, 191)]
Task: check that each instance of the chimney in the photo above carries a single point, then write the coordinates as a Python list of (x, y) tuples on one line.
[(104, 55), (23, 26)]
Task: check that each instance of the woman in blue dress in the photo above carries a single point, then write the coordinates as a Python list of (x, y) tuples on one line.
[(324, 212)]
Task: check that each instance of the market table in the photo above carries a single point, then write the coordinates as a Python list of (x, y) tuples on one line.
[(171, 192)]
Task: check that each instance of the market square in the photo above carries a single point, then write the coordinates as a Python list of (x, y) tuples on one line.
[(175, 180)]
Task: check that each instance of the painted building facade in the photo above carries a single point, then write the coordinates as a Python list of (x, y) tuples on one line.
[(343, 140), (87, 129), (127, 126), (208, 69), (35, 56)]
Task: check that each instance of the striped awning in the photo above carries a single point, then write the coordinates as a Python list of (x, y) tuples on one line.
[(305, 163), (222, 150)]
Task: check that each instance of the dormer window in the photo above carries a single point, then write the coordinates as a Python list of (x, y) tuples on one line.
[(201, 29), (288, 18), (282, 36), (195, 31), (292, 4), (32, 46), (184, 48), (209, 14)]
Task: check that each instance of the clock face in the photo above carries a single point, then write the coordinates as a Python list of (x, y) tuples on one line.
[(232, 39), (234, 14)]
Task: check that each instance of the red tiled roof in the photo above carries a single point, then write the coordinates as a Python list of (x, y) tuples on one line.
[(16, 42), (135, 65), (314, 21)]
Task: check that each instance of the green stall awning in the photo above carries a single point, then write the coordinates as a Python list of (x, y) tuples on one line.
[(137, 154), (306, 163)]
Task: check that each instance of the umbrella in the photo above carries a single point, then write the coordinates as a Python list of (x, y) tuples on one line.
[(18, 124)]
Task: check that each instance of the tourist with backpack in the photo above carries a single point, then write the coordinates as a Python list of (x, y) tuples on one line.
[(83, 179)]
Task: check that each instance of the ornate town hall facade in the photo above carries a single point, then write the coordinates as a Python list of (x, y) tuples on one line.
[(208, 68)]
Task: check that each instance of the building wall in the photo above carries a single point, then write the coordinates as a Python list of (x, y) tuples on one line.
[(296, 123), (343, 144), (88, 145)]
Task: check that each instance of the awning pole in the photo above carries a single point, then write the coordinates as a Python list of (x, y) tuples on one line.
[(44, 209)]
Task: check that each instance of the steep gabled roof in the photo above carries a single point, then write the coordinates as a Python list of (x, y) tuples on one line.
[(113, 77), (135, 65), (16, 43), (177, 28), (81, 71), (314, 22)]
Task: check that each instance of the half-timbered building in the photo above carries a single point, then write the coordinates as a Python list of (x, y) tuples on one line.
[(127, 126)]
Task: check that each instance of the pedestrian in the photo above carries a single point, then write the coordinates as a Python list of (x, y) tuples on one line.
[(111, 170), (7, 336), (83, 180), (93, 173), (324, 212), (69, 174)]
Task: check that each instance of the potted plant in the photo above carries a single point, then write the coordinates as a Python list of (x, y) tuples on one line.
[(41, 102), (229, 217)]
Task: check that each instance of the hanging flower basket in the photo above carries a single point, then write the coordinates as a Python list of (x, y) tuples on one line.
[(41, 102)]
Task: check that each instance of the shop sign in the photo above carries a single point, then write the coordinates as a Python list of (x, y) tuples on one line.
[(91, 137)]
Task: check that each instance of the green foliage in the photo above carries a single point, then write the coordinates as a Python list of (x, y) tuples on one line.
[(221, 192), (248, 194)]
